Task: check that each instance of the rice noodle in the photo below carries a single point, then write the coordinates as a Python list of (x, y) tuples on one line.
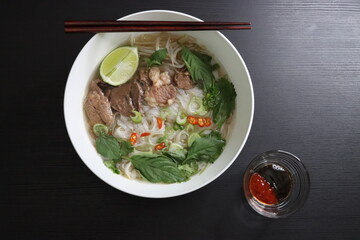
[(128, 170), (183, 98)]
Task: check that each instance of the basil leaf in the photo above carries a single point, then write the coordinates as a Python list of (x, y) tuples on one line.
[(206, 149), (111, 164), (177, 156), (206, 58), (157, 58), (108, 146), (125, 147), (225, 103), (189, 170), (199, 67), (157, 168)]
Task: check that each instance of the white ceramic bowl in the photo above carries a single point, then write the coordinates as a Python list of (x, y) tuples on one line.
[(85, 69)]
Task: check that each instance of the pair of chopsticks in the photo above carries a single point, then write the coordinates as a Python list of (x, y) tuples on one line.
[(149, 26)]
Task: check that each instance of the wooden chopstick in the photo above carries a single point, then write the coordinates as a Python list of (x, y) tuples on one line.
[(146, 23), (149, 26)]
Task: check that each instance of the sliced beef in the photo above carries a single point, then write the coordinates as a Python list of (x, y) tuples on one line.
[(101, 86), (121, 100), (183, 80), (162, 92), (94, 85), (97, 108), (144, 79), (129, 96), (162, 96), (136, 93)]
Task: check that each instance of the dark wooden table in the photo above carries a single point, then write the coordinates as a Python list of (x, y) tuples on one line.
[(304, 60)]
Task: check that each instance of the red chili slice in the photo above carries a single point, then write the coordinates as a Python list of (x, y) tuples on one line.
[(208, 122), (160, 146), (133, 138), (159, 122), (192, 120), (201, 121), (145, 134)]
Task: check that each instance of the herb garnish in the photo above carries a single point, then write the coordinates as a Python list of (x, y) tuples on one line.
[(189, 169), (178, 156), (206, 149), (199, 67), (219, 95), (112, 149), (157, 168), (108, 146), (226, 101), (157, 58)]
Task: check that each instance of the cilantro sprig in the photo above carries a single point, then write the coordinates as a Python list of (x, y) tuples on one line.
[(157, 58)]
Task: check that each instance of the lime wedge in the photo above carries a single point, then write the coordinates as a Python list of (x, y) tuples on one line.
[(99, 128), (119, 65)]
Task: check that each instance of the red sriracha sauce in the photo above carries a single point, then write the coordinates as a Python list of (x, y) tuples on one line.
[(262, 190)]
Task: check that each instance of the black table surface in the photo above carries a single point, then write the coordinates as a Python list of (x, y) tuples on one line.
[(304, 61)]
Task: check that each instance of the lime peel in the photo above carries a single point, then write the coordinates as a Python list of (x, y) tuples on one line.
[(119, 65)]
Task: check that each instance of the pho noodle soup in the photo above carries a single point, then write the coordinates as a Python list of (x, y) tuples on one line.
[(159, 108)]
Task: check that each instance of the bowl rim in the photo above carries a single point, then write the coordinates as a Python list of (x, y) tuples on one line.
[(196, 187)]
